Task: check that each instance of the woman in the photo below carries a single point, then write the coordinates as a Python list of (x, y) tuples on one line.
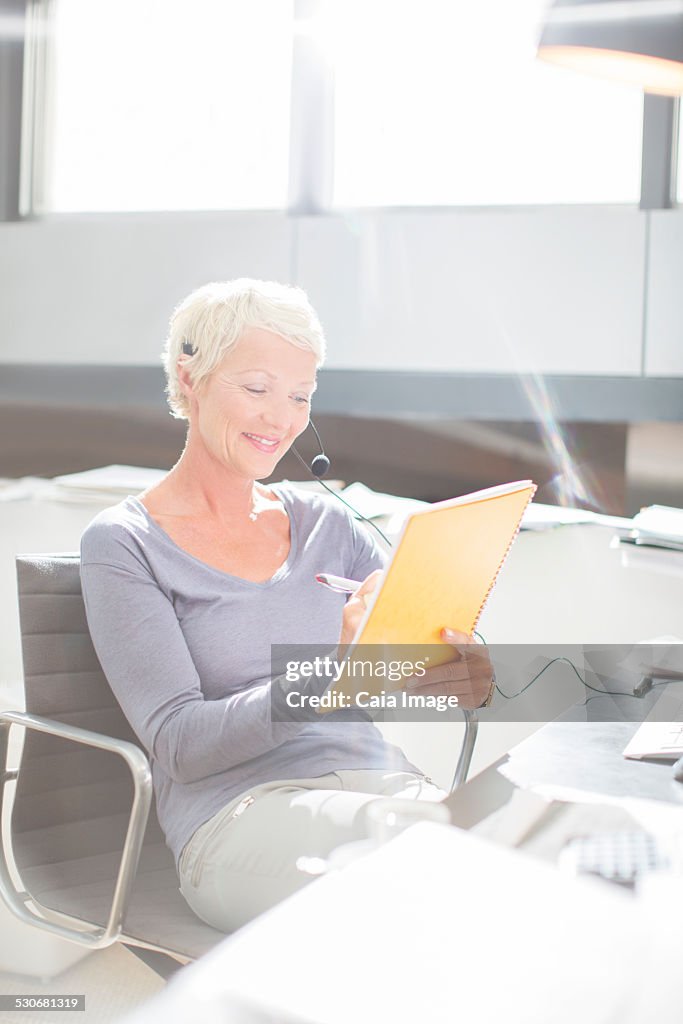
[(187, 586)]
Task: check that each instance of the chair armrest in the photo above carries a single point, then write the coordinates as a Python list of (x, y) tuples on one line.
[(95, 937)]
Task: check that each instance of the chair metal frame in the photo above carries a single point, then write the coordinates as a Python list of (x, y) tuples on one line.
[(467, 749), (93, 936)]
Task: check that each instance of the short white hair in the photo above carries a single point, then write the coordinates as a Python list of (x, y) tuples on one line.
[(212, 319)]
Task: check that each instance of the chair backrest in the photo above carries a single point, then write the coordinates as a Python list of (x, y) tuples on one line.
[(72, 801)]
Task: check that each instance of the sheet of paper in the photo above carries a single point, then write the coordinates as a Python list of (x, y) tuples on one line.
[(546, 517), (660, 521), (128, 479), (373, 504)]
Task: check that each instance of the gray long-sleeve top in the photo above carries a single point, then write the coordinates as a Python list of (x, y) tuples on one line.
[(186, 649)]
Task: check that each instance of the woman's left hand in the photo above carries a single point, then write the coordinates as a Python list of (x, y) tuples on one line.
[(469, 677)]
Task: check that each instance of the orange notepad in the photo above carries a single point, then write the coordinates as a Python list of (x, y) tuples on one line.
[(443, 568)]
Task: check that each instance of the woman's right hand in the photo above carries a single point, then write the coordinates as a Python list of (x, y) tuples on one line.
[(355, 608)]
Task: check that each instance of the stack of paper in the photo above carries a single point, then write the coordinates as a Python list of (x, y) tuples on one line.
[(659, 526), (393, 509), (546, 517), (374, 504), (104, 483), (23, 488), (388, 511), (112, 483)]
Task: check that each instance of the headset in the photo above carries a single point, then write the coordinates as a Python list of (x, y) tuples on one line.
[(319, 465)]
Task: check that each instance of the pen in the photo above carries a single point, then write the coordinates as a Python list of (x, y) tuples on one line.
[(338, 583)]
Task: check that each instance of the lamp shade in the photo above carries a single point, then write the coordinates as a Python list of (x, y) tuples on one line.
[(635, 41)]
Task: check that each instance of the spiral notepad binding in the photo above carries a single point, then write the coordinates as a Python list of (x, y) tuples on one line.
[(513, 538)]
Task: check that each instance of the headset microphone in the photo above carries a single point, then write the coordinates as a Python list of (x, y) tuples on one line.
[(319, 466)]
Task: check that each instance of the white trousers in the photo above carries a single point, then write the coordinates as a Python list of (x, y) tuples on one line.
[(243, 860)]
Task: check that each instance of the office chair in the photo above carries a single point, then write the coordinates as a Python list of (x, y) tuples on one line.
[(84, 838)]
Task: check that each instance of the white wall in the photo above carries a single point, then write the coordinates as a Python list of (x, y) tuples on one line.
[(664, 326), (555, 290), (102, 289)]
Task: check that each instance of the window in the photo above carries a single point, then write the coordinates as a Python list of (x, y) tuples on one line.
[(172, 105), (167, 105), (443, 102)]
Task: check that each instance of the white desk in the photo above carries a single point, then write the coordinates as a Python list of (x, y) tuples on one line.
[(576, 584), (571, 585), (439, 926)]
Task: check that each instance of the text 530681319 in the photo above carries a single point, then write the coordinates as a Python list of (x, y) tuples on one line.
[(44, 1002)]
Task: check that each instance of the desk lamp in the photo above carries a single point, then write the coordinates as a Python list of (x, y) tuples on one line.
[(639, 42)]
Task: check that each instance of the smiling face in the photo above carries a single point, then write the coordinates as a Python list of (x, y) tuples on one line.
[(255, 404)]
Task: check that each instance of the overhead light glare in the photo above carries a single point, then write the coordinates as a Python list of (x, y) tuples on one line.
[(639, 42), (652, 74)]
